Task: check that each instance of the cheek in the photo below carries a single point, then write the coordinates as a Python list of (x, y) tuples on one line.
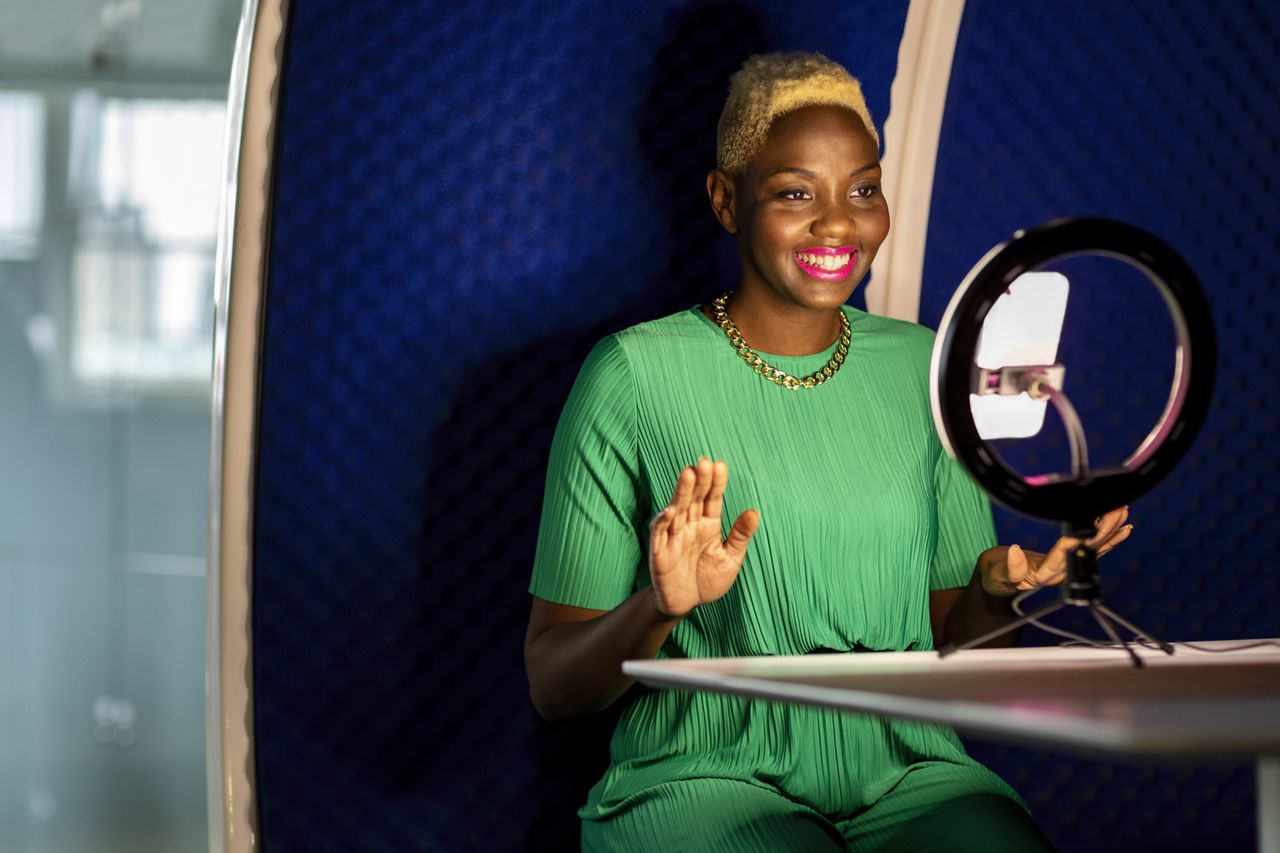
[(874, 228), (770, 234)]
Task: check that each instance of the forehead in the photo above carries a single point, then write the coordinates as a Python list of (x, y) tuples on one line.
[(814, 136)]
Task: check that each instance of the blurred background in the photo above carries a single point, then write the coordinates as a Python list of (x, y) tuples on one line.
[(111, 146)]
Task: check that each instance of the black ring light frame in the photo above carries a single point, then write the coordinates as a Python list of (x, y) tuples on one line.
[(1074, 500)]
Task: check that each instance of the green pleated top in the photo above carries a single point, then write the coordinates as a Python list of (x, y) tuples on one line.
[(861, 514)]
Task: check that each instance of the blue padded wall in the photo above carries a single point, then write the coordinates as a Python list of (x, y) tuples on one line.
[(1164, 115), (468, 195)]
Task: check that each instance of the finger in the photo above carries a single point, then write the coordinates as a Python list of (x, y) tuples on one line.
[(663, 542), (1111, 534), (714, 503), (701, 488), (1029, 569), (1120, 535), (660, 530), (1016, 564), (683, 494), (744, 527), (1108, 524), (1056, 560), (1043, 572), (1047, 569), (1047, 580)]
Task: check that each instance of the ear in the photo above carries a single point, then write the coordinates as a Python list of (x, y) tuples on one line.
[(720, 189)]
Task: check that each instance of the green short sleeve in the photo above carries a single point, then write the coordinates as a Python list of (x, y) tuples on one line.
[(589, 545), (965, 526)]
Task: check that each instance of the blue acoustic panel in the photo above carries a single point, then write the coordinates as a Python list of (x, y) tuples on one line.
[(1163, 115), (467, 197)]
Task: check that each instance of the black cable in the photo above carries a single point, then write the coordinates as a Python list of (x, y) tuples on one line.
[(1247, 645), (1080, 638), (1147, 644), (1139, 640)]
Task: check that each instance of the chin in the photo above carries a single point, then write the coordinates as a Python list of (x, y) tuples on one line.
[(816, 293), (824, 295)]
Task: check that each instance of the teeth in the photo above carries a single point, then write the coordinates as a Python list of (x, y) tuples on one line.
[(830, 263)]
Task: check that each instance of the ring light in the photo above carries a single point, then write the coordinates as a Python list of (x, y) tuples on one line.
[(1077, 498)]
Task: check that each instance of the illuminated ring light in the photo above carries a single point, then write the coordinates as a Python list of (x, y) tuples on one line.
[(952, 372)]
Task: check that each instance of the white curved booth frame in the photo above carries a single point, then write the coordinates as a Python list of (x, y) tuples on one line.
[(916, 103), (239, 288)]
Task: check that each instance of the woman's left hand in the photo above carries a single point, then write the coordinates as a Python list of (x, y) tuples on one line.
[(1007, 571)]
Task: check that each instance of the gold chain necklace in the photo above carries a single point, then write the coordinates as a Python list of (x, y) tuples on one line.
[(773, 374)]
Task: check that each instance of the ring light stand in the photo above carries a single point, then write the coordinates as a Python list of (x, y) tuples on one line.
[(1074, 500)]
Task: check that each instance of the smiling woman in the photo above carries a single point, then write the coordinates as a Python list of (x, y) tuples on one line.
[(851, 530), (810, 216)]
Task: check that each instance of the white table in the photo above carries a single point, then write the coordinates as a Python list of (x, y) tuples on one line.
[(1089, 701)]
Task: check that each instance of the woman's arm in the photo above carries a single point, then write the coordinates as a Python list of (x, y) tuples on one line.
[(573, 656), (960, 614)]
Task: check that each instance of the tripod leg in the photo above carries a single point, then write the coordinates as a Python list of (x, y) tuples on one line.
[(951, 648), (1146, 635), (1111, 632)]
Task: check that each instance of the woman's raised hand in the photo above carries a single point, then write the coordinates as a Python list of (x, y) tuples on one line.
[(689, 563), (1013, 570)]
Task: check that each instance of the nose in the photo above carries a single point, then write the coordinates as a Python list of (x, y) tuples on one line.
[(834, 220)]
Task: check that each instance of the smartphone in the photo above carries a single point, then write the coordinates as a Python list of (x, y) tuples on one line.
[(1022, 329)]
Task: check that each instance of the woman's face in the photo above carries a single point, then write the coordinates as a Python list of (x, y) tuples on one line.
[(808, 210)]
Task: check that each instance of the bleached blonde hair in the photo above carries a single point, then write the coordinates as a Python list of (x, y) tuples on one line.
[(770, 85)]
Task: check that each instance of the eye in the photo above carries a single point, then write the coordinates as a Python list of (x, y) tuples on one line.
[(793, 194), (866, 191)]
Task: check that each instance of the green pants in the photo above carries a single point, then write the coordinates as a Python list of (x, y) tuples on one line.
[(935, 807)]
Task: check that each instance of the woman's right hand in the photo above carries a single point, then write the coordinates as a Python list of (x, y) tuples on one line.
[(689, 564)]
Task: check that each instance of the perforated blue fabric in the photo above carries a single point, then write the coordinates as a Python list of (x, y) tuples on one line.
[(1163, 115), (468, 196)]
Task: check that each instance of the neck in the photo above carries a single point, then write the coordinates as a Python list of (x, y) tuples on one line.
[(781, 328)]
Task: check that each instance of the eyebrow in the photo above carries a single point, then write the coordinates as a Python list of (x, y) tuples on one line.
[(809, 173)]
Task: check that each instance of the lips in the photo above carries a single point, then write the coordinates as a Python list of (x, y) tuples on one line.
[(825, 263)]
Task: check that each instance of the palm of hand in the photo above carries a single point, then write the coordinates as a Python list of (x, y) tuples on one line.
[(692, 566), (689, 563)]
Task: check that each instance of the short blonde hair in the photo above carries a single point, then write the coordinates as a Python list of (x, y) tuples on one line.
[(768, 86)]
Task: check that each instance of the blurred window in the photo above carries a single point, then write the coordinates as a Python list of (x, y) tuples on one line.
[(145, 180), (21, 174)]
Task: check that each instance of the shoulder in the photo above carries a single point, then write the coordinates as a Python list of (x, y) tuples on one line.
[(903, 332), (669, 346), (890, 335), (627, 357), (664, 332)]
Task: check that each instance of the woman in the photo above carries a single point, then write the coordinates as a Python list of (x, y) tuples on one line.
[(852, 530)]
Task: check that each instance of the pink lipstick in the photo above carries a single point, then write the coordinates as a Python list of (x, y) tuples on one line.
[(826, 263)]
